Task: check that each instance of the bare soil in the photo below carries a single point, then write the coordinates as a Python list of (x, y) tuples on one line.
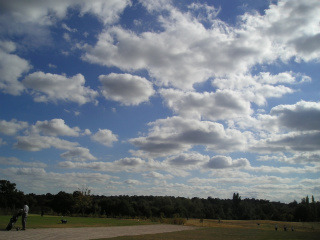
[(89, 232)]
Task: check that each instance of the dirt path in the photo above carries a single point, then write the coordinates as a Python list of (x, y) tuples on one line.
[(89, 233)]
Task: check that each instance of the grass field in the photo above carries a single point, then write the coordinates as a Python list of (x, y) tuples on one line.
[(227, 234), (36, 221), (208, 229), (238, 230)]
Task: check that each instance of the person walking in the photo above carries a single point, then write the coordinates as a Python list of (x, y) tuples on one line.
[(25, 212)]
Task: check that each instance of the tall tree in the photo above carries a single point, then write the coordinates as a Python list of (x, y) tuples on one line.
[(10, 197), (82, 200)]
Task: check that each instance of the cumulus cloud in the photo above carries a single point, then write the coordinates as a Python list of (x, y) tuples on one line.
[(218, 51), (12, 127), (133, 182), (17, 162), (54, 127), (172, 135), (78, 154), (38, 143), (290, 142), (36, 16), (203, 12), (66, 27), (302, 157), (184, 160), (12, 67), (221, 162), (46, 181), (121, 165), (288, 128), (47, 87), (44, 135), (157, 176), (284, 170), (221, 105), (105, 137), (125, 88), (289, 27), (130, 162), (302, 116), (2, 142), (260, 87)]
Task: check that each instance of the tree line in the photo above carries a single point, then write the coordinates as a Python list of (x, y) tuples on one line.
[(83, 203)]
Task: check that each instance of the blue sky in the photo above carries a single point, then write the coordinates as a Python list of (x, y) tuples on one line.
[(181, 98)]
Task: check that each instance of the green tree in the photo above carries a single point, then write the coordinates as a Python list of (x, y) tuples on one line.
[(83, 200), (313, 210), (10, 197), (62, 203), (236, 200)]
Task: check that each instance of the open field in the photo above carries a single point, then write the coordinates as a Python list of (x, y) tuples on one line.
[(226, 234), (123, 229), (238, 230), (36, 221), (255, 224)]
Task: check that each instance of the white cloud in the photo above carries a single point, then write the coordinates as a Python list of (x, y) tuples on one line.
[(17, 162), (172, 135), (218, 51), (66, 27), (105, 137), (260, 87), (221, 105), (33, 18), (50, 65), (38, 143), (53, 87), (288, 128), (289, 142), (157, 176), (130, 162), (221, 162), (302, 116), (204, 12), (78, 154), (156, 5), (289, 27), (107, 11), (12, 67), (12, 127), (38, 180), (7, 46), (2, 142), (284, 170), (126, 89), (121, 165), (67, 37), (87, 132), (54, 127), (133, 182), (185, 160)]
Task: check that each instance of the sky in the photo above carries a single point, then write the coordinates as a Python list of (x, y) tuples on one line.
[(161, 97)]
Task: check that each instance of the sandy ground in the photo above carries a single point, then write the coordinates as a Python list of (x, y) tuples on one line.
[(89, 233)]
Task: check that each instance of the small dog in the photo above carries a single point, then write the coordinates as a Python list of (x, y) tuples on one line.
[(63, 221)]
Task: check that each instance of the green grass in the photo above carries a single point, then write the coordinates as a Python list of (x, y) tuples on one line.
[(226, 234), (208, 229), (238, 230), (36, 221)]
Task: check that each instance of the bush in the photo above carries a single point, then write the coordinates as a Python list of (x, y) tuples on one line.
[(175, 220)]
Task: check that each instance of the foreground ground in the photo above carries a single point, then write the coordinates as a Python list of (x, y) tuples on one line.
[(226, 234), (89, 233), (50, 227)]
